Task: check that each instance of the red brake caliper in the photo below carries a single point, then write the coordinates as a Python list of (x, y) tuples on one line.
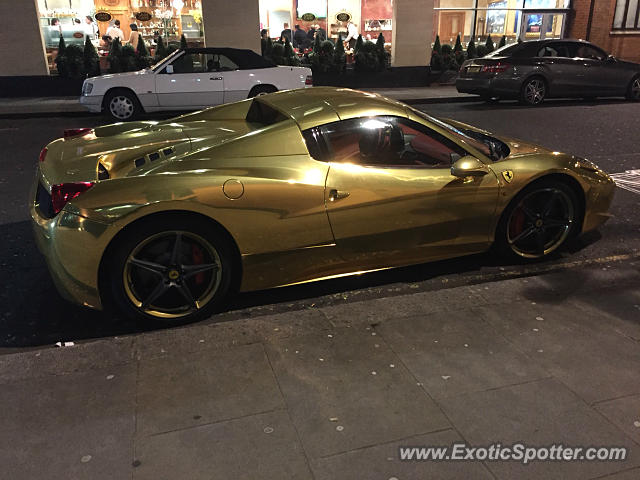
[(197, 257), (516, 226)]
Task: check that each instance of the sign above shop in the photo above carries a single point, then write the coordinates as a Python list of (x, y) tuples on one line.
[(143, 16), (343, 17), (308, 17), (78, 35), (102, 16)]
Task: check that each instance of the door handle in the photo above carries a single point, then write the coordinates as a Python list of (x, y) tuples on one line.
[(215, 78), (337, 194)]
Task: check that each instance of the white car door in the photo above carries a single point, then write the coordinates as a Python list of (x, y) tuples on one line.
[(187, 83)]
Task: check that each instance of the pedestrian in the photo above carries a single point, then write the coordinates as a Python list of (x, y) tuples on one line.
[(286, 33), (114, 31), (299, 38), (321, 32), (90, 27), (352, 34), (134, 37)]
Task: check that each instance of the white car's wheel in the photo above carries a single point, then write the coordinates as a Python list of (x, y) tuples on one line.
[(262, 90), (122, 105)]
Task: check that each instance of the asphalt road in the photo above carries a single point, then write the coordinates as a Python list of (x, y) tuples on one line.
[(32, 314)]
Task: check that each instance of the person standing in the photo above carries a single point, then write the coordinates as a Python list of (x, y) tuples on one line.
[(90, 28), (352, 34), (321, 32), (286, 33), (115, 32), (134, 37), (299, 38)]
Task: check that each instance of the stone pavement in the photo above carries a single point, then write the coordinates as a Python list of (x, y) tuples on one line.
[(332, 392), (50, 106)]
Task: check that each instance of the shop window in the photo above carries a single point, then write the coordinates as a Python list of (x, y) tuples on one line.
[(627, 15)]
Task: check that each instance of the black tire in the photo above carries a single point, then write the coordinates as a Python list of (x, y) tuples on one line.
[(545, 208), (533, 91), (261, 90), (633, 90), (122, 105), (152, 244)]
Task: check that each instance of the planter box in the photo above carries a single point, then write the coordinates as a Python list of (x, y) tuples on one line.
[(393, 77), (40, 86)]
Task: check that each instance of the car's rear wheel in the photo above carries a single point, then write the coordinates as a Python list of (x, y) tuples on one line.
[(538, 221), (170, 271), (633, 91), (262, 90), (122, 105), (533, 91)]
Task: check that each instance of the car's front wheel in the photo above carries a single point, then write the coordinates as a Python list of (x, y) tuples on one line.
[(538, 221), (533, 92), (170, 271), (122, 105)]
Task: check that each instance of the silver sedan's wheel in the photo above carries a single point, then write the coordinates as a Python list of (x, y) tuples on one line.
[(634, 90), (122, 106), (534, 91)]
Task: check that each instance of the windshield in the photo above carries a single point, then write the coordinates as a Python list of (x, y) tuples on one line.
[(162, 62), (488, 145)]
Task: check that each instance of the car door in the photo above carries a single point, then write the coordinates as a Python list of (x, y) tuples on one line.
[(187, 83), (237, 83), (565, 73), (602, 77), (391, 198)]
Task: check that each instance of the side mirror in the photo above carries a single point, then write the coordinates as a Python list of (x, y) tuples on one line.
[(611, 59), (169, 69), (469, 166)]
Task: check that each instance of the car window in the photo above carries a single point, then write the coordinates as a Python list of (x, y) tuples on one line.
[(203, 63), (388, 141), (554, 50), (587, 51)]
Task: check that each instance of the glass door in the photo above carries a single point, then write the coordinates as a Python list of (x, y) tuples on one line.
[(540, 25)]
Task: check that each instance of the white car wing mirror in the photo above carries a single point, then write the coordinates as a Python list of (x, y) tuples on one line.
[(169, 69)]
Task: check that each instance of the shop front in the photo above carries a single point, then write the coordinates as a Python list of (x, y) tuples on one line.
[(74, 20), (514, 19), (332, 18)]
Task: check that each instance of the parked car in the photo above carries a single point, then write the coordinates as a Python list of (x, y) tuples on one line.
[(190, 79), (535, 70), (163, 220)]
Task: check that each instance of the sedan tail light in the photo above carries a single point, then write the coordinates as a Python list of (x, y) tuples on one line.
[(64, 192), (43, 154), (309, 80), (498, 68), (76, 132)]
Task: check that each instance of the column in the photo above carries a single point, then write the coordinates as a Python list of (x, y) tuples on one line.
[(412, 32), (231, 24), (22, 47)]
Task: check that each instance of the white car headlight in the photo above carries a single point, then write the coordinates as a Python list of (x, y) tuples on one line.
[(87, 88)]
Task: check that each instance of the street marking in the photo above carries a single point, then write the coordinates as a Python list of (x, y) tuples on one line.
[(628, 180)]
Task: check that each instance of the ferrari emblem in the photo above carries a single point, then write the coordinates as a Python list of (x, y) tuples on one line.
[(508, 175)]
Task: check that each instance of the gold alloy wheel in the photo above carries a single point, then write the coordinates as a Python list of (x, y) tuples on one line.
[(172, 274), (540, 223)]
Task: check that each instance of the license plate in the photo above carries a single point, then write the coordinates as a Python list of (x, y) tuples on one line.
[(473, 69)]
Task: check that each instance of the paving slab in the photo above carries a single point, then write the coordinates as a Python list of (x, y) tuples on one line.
[(539, 413), (176, 392), (261, 447), (625, 413), (349, 390), (457, 353), (72, 426), (581, 350), (382, 462)]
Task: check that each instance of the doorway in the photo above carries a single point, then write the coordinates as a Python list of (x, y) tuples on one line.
[(451, 24)]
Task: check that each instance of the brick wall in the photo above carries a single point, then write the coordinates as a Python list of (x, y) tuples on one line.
[(623, 45)]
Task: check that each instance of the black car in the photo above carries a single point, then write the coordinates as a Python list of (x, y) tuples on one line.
[(535, 70)]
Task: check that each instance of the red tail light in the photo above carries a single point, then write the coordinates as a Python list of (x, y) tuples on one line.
[(64, 192), (498, 68), (43, 154), (76, 132), (309, 80)]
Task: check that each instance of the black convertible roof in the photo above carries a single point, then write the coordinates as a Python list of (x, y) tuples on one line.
[(245, 59)]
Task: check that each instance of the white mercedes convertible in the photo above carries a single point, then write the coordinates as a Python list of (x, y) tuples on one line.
[(190, 79)]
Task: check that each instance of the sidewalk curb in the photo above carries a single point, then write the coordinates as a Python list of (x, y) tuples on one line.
[(86, 113)]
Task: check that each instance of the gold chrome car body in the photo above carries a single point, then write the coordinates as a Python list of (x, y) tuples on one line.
[(292, 218)]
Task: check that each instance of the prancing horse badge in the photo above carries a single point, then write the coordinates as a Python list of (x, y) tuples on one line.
[(508, 175)]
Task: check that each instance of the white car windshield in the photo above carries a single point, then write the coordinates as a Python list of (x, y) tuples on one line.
[(165, 60)]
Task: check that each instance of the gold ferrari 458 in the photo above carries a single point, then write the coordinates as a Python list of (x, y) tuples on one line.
[(163, 220)]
